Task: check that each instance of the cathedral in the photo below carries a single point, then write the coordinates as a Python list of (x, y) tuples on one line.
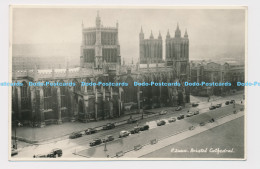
[(100, 61)]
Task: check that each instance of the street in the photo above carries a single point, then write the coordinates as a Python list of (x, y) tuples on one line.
[(77, 148)]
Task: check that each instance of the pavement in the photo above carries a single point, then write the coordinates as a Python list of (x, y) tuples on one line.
[(227, 136), (184, 135)]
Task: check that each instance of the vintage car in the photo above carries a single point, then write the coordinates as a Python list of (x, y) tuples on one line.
[(144, 127), (189, 114), (163, 112), (219, 105), (135, 130), (95, 142), (161, 123), (178, 108), (109, 126), (123, 134), (181, 116), (75, 135), (108, 138), (194, 104), (172, 120), (212, 107), (90, 131), (196, 112)]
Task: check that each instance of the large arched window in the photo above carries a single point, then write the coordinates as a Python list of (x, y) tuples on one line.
[(47, 98), (25, 96)]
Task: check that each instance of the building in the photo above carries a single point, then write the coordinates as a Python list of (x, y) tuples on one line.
[(100, 61), (150, 49), (203, 71), (100, 46), (22, 63), (177, 51)]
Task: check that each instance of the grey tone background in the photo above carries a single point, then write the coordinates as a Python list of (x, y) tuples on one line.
[(44, 32), (253, 92)]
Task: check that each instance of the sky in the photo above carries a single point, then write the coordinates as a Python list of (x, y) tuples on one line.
[(214, 34)]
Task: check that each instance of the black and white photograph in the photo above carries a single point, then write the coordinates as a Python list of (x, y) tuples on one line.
[(127, 83)]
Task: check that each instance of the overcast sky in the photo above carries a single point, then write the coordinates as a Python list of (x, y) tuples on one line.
[(213, 33)]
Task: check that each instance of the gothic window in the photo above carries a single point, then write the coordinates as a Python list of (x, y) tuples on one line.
[(76, 88), (183, 68), (24, 96), (47, 98), (130, 92), (89, 55)]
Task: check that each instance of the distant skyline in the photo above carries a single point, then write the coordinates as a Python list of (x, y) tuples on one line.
[(213, 33)]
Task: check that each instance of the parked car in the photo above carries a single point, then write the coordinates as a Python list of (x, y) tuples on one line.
[(196, 112), (212, 107), (218, 105), (108, 138), (163, 112), (232, 101), (123, 134), (161, 123), (51, 155), (109, 126), (95, 142), (57, 152), (172, 120), (181, 116), (202, 124), (130, 121), (14, 152), (75, 135), (135, 130), (212, 120), (145, 127), (191, 128), (194, 104), (227, 103), (90, 131), (178, 108), (39, 156), (189, 115)]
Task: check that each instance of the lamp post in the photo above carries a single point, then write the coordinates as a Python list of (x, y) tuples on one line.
[(105, 146)]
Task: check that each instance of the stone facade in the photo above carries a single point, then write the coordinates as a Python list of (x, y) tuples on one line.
[(100, 46), (150, 49), (208, 72), (47, 104)]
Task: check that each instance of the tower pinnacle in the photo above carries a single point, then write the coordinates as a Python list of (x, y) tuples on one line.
[(159, 36), (177, 31), (186, 34), (151, 36), (168, 34)]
